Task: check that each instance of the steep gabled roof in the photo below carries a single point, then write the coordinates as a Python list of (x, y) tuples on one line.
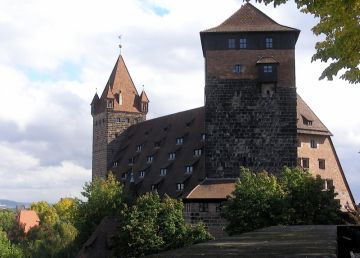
[(249, 19), (95, 99), (307, 121), (28, 219), (120, 84)]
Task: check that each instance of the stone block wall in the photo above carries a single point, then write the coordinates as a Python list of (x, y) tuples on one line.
[(243, 128), (106, 127)]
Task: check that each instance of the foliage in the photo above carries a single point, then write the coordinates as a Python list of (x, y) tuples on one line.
[(7, 219), (104, 198), (46, 212), (339, 22), (7, 249), (152, 225), (51, 241), (256, 202), (261, 200), (66, 209)]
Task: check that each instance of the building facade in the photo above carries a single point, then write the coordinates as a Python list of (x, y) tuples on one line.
[(252, 117)]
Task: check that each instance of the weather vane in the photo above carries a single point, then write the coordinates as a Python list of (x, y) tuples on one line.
[(120, 46)]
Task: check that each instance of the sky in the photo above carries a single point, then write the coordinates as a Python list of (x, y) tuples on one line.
[(54, 56)]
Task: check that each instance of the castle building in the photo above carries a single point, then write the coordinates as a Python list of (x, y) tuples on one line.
[(252, 117)]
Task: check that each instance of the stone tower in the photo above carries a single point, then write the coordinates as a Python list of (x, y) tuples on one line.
[(119, 107), (250, 94)]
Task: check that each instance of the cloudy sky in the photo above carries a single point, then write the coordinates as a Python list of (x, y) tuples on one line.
[(55, 54)]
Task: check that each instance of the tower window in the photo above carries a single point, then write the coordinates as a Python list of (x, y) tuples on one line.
[(172, 155), (139, 148), (110, 103), (118, 120), (231, 43), (115, 164), (268, 69), (188, 169), (123, 176), (313, 144), (269, 43), (180, 140), (131, 161), (321, 163), (179, 186), (142, 173), (163, 172), (203, 136), (243, 43), (239, 68), (157, 144), (154, 187)]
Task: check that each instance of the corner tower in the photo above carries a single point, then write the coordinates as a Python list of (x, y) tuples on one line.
[(250, 94), (119, 107)]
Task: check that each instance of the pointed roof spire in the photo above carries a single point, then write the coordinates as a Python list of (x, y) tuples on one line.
[(95, 99), (248, 19), (143, 97), (120, 83)]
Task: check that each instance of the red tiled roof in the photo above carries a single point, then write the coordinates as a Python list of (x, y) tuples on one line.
[(304, 113), (120, 82), (28, 219), (143, 97), (212, 189), (249, 19)]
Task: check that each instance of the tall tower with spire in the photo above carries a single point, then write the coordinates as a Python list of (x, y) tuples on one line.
[(119, 107), (250, 94)]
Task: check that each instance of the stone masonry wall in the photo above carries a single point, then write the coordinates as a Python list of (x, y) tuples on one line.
[(245, 129), (106, 127)]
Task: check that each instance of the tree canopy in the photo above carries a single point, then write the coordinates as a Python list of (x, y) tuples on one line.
[(339, 22)]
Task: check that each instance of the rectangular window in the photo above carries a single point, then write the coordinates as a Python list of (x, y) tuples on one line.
[(163, 172), (179, 186), (305, 162), (180, 140), (328, 184), (150, 159), (203, 136), (268, 69), (172, 155), (321, 163), (131, 161), (110, 103), (197, 152), (115, 164), (243, 43), (239, 68), (123, 176), (203, 207), (188, 169), (231, 43), (313, 144), (269, 42), (142, 173)]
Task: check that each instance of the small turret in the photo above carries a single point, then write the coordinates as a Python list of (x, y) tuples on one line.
[(144, 102), (94, 104)]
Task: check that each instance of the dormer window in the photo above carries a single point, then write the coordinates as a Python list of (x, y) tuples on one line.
[(115, 164), (110, 103), (123, 176), (197, 152), (269, 42), (243, 43), (179, 186), (268, 68), (142, 173), (131, 161), (157, 144), (120, 99), (231, 43), (179, 140), (150, 159), (163, 172), (189, 169), (139, 148), (172, 155), (154, 187), (307, 121)]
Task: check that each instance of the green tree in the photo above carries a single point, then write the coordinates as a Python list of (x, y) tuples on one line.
[(66, 209), (339, 22), (104, 197), (7, 219), (7, 249), (152, 225), (256, 202), (46, 212), (261, 200)]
